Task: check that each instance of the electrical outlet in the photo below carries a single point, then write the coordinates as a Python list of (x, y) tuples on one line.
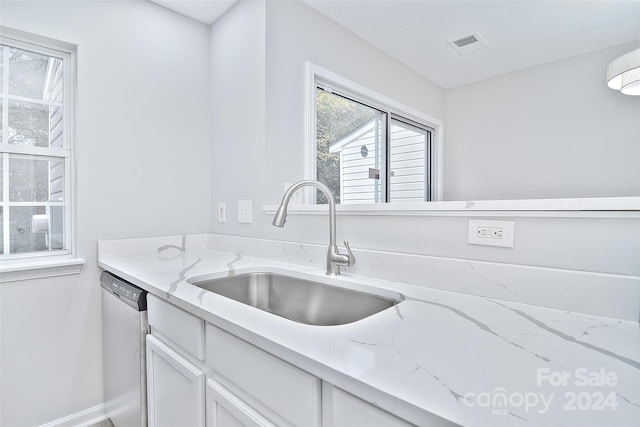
[(296, 198), (484, 232), (491, 233), (245, 212), (222, 212)]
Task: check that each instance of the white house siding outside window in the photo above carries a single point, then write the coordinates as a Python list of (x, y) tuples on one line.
[(36, 131), (367, 154)]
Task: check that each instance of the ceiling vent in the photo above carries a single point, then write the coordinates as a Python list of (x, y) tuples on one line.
[(468, 44)]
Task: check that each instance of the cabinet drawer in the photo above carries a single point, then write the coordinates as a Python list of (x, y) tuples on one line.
[(291, 393), (182, 328), (342, 409)]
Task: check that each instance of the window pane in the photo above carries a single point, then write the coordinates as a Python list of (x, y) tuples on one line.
[(36, 179), (56, 137), (28, 123), (2, 89), (1, 180), (343, 128), (362, 164), (22, 236), (56, 231), (1, 67), (408, 164), (1, 233), (30, 73)]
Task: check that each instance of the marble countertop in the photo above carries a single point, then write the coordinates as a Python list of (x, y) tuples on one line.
[(436, 356)]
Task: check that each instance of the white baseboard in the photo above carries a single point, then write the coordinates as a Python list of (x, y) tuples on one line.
[(84, 418)]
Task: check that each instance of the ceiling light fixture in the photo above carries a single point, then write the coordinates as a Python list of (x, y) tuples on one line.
[(623, 73)]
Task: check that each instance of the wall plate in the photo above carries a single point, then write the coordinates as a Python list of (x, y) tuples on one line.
[(491, 233), (245, 212)]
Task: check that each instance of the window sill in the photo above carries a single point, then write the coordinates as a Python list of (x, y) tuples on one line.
[(606, 207), (38, 268)]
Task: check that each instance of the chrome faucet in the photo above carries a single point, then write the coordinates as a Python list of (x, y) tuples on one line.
[(334, 258)]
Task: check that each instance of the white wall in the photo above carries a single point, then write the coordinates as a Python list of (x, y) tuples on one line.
[(296, 33), (552, 131), (143, 169), (238, 107), (248, 165)]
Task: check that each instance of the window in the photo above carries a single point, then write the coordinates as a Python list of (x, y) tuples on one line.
[(367, 148), (36, 132)]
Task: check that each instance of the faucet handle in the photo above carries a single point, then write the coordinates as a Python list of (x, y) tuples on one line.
[(352, 258)]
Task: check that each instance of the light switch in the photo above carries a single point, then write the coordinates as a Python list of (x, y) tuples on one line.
[(222, 212)]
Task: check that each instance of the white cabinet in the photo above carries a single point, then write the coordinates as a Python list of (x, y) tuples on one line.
[(183, 331), (175, 383), (224, 409), (281, 392), (199, 374), (342, 409), (175, 388)]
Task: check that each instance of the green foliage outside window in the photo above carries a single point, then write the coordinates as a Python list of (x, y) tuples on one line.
[(336, 117)]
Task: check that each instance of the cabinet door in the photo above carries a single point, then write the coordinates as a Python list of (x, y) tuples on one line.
[(224, 409), (281, 392), (175, 388), (342, 409)]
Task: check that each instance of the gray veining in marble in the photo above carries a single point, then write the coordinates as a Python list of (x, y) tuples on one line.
[(479, 324), (181, 248), (569, 338), (230, 267), (182, 276)]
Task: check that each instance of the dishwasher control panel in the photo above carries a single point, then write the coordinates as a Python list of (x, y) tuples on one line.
[(130, 294)]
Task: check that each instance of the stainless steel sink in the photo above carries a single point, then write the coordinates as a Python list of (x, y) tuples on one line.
[(300, 300)]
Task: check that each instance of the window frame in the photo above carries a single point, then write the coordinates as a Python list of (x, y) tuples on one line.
[(316, 75), (428, 163), (64, 257)]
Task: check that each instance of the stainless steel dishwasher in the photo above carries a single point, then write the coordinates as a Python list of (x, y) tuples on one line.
[(124, 329)]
